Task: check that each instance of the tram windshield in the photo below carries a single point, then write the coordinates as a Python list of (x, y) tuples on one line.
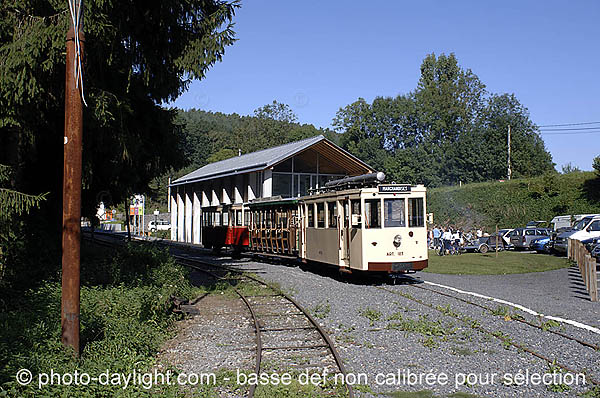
[(393, 213), (416, 212)]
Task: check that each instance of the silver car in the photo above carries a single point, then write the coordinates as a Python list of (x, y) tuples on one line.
[(521, 238)]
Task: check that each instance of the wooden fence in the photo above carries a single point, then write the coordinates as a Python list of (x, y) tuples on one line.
[(587, 266)]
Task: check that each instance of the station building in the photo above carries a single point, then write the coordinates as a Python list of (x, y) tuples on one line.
[(285, 171)]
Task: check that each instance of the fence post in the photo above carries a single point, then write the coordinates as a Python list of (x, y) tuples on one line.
[(594, 284)]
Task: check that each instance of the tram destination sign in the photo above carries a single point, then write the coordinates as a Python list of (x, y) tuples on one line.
[(394, 188)]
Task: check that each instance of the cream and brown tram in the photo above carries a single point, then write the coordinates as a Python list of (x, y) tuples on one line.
[(356, 224)]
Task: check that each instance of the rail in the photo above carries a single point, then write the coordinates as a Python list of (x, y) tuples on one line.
[(587, 266)]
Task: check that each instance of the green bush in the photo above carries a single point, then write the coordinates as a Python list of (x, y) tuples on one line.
[(125, 317)]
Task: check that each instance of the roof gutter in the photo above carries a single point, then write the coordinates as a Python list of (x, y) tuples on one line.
[(243, 170)]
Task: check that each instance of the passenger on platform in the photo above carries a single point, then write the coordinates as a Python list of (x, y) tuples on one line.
[(447, 239), (436, 236)]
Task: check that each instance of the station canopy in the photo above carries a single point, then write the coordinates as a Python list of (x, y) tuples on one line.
[(310, 151)]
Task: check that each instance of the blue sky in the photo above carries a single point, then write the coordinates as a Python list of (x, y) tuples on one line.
[(318, 56)]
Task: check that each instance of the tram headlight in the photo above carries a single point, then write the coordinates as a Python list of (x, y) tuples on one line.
[(397, 241)]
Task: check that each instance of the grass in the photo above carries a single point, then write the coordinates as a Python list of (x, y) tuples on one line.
[(428, 394), (321, 310), (372, 315), (508, 262), (125, 317)]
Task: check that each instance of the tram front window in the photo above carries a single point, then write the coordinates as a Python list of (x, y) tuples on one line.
[(415, 212), (393, 213), (372, 212)]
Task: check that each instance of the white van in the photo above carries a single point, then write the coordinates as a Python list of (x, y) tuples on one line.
[(159, 226), (586, 228), (568, 220)]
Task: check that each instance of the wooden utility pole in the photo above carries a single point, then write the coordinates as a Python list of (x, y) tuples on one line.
[(509, 170), (71, 235)]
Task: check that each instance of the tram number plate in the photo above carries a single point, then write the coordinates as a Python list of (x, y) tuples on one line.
[(394, 188), (395, 253)]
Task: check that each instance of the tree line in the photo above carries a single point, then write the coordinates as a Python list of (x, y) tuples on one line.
[(448, 130)]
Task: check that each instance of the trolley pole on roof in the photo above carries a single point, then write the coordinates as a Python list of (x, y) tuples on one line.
[(71, 233)]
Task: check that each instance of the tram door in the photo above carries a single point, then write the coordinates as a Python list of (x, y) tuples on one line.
[(344, 232)]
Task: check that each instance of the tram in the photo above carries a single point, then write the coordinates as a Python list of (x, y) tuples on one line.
[(357, 224)]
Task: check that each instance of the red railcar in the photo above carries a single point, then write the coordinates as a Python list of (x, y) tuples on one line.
[(224, 227)]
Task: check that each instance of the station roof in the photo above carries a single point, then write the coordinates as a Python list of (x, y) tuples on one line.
[(266, 158)]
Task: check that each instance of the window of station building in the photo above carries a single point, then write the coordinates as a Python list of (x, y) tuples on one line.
[(282, 185), (310, 215), (321, 215), (332, 214), (416, 216), (304, 184), (372, 213), (393, 213)]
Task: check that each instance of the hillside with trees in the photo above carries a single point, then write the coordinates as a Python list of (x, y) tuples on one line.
[(214, 136), (513, 203)]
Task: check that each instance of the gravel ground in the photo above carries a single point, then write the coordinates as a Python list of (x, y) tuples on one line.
[(380, 330)]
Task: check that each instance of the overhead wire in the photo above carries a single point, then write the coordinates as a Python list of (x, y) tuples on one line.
[(568, 124), (76, 11), (564, 128)]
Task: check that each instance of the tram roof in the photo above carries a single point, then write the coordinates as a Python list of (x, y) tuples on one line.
[(263, 159)]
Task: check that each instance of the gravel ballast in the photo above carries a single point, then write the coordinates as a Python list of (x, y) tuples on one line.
[(409, 338), (380, 329)]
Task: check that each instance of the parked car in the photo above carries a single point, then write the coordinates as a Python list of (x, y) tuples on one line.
[(485, 244), (533, 224), (521, 238), (591, 243), (586, 228), (541, 245), (595, 252), (159, 225)]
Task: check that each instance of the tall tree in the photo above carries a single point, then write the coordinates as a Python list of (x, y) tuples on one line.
[(447, 130), (139, 55)]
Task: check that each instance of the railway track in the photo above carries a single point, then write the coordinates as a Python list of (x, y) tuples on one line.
[(507, 340), (287, 337)]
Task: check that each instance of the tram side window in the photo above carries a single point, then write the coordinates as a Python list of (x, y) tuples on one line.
[(321, 215), (393, 213), (311, 215), (238, 218), (372, 212), (247, 217), (332, 211), (225, 219), (356, 213), (415, 212)]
